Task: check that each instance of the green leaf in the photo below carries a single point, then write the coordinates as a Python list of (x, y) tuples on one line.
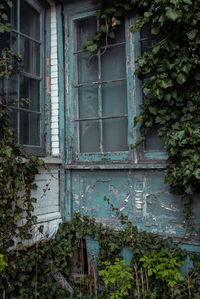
[(153, 110), (155, 30), (181, 78), (192, 34), (172, 14), (92, 48), (20, 202), (196, 173), (165, 83)]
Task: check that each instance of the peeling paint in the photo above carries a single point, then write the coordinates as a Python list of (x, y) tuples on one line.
[(48, 84)]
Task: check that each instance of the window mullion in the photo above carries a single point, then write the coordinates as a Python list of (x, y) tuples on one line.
[(18, 75), (100, 94)]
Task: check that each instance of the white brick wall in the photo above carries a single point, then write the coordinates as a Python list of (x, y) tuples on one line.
[(54, 86)]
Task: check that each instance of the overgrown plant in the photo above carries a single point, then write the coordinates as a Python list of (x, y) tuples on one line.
[(17, 168), (117, 278), (172, 91), (31, 271), (3, 264), (165, 266)]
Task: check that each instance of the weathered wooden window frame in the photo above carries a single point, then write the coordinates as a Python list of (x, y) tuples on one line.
[(33, 149), (137, 156)]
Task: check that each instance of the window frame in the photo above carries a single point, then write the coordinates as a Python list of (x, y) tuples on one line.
[(38, 150), (134, 157), (98, 156)]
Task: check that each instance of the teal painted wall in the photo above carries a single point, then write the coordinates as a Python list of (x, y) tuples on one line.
[(132, 180)]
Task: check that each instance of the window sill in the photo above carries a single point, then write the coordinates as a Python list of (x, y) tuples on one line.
[(114, 165), (50, 160)]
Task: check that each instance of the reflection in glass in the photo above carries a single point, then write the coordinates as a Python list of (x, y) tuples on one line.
[(85, 29), (115, 135), (87, 65), (29, 20), (29, 128), (113, 63), (30, 90), (13, 120), (119, 35), (114, 99), (153, 141), (147, 40), (14, 20), (88, 101), (24, 127), (14, 42), (34, 129), (12, 89), (31, 53), (89, 136)]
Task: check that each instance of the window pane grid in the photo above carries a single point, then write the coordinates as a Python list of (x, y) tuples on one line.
[(102, 117), (102, 48), (89, 125), (99, 82), (27, 36), (26, 118)]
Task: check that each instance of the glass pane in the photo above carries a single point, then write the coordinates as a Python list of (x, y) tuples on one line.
[(89, 136), (85, 29), (4, 41), (34, 129), (13, 120), (31, 54), (29, 128), (87, 65), (14, 42), (12, 89), (14, 15), (114, 99), (9, 88), (30, 89), (115, 135), (153, 141), (24, 128), (119, 35), (88, 101), (29, 20), (147, 40), (2, 88), (113, 63)]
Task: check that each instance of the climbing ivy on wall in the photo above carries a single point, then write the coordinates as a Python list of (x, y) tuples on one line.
[(33, 272), (17, 168), (171, 82)]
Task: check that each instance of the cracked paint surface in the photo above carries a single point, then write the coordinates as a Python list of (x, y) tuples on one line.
[(142, 195)]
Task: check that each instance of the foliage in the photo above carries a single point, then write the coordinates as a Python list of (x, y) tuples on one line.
[(17, 168), (171, 82), (29, 271), (117, 278), (164, 265), (4, 21), (3, 264)]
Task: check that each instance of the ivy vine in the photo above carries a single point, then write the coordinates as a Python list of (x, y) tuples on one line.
[(33, 272), (171, 82), (17, 168)]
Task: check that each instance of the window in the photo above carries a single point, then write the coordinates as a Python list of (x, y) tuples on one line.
[(100, 96), (105, 95), (153, 146), (26, 39), (100, 92)]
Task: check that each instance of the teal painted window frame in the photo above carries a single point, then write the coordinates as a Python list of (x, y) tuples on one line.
[(134, 100), (38, 79), (97, 157)]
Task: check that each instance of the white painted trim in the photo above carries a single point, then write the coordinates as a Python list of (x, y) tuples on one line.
[(54, 86)]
